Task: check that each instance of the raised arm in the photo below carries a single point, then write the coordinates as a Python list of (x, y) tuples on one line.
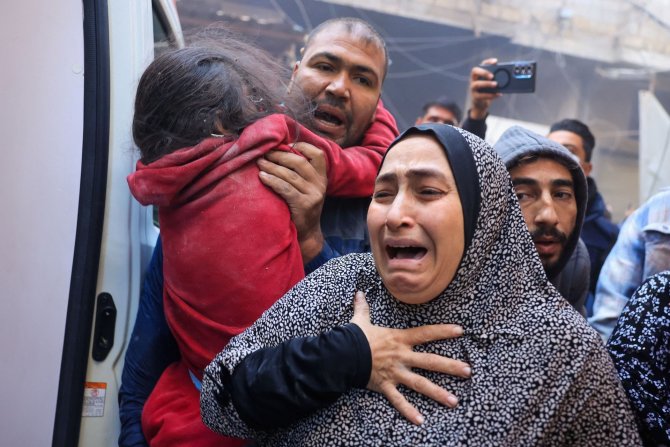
[(351, 171), (480, 102)]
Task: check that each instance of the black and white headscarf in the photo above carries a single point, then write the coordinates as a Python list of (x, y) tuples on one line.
[(540, 375)]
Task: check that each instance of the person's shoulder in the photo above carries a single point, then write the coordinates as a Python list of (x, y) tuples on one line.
[(657, 285), (350, 260), (344, 268), (556, 323), (659, 201)]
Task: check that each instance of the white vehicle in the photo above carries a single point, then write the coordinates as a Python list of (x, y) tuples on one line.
[(73, 242)]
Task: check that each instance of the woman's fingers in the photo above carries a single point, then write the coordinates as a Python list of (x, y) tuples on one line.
[(424, 334), (361, 310), (424, 386), (437, 363), (407, 410), (393, 357)]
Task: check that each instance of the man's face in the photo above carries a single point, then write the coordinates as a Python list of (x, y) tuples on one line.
[(574, 143), (545, 190), (437, 114), (342, 74)]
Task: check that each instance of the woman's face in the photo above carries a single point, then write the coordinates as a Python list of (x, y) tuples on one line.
[(416, 221)]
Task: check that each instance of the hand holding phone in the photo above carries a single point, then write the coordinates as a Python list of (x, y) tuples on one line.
[(512, 77), (480, 101)]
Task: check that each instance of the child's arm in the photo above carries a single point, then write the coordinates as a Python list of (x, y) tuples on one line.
[(352, 170)]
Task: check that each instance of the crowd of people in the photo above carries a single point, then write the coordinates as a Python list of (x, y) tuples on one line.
[(321, 279)]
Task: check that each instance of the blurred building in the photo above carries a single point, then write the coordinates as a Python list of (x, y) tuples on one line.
[(594, 58)]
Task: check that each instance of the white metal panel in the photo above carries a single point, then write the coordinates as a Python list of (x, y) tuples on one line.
[(128, 233), (131, 49), (41, 123)]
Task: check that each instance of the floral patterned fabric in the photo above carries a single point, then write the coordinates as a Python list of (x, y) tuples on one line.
[(640, 347)]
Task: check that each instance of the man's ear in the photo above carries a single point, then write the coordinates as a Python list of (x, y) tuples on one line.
[(587, 167), (295, 69), (419, 120)]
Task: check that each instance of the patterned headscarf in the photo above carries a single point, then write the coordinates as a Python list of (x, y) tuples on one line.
[(462, 167), (497, 242), (540, 375)]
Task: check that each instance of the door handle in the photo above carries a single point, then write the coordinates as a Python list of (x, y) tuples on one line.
[(105, 322)]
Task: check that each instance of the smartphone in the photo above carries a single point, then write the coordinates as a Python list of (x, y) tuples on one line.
[(512, 77)]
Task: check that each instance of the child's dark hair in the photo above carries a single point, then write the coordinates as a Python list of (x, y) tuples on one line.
[(216, 84)]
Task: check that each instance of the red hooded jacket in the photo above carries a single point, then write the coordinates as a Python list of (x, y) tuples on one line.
[(230, 247)]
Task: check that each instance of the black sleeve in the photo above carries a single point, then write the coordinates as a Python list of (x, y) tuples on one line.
[(476, 127), (274, 387)]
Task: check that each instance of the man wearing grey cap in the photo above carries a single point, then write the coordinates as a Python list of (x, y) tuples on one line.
[(552, 192)]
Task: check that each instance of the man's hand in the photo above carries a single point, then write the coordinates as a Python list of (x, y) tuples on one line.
[(301, 182), (393, 359), (480, 78)]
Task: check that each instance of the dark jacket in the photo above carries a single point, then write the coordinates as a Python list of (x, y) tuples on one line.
[(476, 127), (598, 233)]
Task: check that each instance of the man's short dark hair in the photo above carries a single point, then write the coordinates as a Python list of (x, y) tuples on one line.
[(354, 26), (579, 128), (445, 103)]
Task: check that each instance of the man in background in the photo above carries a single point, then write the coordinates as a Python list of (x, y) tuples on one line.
[(642, 250), (442, 110), (551, 189), (598, 233)]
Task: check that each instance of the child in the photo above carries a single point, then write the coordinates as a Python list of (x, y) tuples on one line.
[(203, 115)]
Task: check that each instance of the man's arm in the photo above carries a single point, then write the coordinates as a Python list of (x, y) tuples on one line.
[(303, 182), (656, 247), (150, 350), (480, 102)]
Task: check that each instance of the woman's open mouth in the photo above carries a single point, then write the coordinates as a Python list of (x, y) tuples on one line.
[(406, 252)]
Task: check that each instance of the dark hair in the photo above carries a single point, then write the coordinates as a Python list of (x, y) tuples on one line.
[(357, 27), (579, 128), (218, 82), (445, 103)]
